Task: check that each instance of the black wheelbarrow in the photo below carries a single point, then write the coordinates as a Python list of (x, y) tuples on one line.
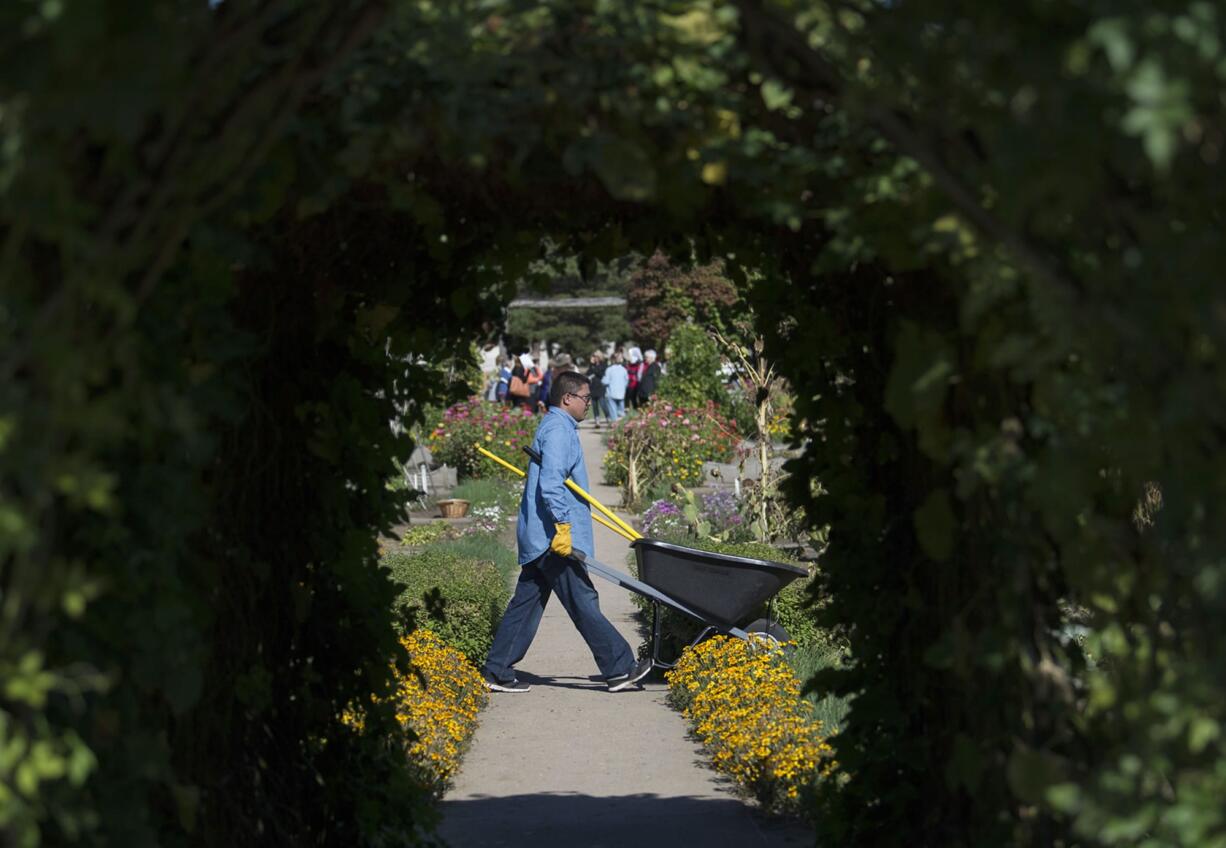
[(721, 591)]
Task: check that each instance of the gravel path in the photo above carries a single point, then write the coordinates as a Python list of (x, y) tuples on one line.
[(570, 764)]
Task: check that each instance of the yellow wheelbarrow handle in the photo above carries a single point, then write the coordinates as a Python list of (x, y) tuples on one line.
[(630, 536), (627, 531)]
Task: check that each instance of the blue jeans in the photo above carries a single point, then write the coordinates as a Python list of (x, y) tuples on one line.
[(600, 408), (615, 408), (563, 576)]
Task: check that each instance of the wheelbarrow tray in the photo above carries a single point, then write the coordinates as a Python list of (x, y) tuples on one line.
[(722, 589)]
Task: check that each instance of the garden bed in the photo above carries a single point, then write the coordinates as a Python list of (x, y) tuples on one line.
[(455, 576), (743, 702)]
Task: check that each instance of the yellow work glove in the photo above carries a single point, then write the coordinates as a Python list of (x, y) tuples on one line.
[(560, 544)]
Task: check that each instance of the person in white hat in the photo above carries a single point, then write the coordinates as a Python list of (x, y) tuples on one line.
[(634, 370), (650, 381)]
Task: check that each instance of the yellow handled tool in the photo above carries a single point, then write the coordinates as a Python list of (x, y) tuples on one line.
[(499, 460), (631, 535), (627, 531)]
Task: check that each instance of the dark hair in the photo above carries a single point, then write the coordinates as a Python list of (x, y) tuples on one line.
[(566, 383)]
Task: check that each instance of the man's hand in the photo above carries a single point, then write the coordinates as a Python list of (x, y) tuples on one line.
[(560, 544)]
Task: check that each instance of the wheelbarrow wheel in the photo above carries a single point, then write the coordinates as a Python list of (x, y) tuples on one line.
[(774, 631)]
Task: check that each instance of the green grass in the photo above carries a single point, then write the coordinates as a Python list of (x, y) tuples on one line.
[(830, 710), (480, 546), (488, 491)]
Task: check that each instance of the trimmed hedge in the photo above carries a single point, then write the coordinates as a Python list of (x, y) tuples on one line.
[(458, 598)]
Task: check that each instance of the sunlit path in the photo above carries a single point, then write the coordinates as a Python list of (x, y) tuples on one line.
[(571, 764)]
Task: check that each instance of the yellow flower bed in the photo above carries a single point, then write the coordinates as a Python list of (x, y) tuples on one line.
[(438, 702), (743, 702)]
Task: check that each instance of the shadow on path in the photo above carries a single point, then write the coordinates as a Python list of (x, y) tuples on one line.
[(593, 682), (571, 819)]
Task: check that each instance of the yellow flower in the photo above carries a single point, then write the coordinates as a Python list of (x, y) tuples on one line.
[(442, 713), (744, 704)]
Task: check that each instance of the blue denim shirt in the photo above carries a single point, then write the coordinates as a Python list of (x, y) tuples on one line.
[(546, 500)]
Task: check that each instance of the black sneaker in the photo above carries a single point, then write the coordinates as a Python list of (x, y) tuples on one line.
[(495, 685), (618, 682)]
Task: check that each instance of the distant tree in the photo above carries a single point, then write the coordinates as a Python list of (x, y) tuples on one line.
[(575, 330), (662, 295)]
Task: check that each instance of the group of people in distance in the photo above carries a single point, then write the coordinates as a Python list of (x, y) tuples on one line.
[(625, 377), (628, 377)]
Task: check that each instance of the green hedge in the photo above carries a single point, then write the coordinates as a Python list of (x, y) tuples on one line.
[(459, 598)]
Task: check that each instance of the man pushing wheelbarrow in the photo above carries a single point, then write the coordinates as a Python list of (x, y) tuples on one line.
[(555, 527), (728, 594)]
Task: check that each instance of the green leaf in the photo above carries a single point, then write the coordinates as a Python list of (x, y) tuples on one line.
[(1201, 731), (1065, 798), (1113, 37), (625, 168), (776, 95)]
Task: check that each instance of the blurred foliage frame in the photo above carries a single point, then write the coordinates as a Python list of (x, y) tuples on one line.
[(983, 245)]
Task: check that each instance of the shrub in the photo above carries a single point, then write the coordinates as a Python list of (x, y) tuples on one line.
[(438, 701), (693, 376), (503, 430), (666, 444), (459, 598), (743, 703)]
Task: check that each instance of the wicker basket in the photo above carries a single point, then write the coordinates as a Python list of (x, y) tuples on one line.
[(453, 507)]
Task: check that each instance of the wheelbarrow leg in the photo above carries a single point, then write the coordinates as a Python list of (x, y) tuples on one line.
[(707, 631), (657, 626), (655, 634)]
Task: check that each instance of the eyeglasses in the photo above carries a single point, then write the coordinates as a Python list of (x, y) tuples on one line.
[(587, 399)]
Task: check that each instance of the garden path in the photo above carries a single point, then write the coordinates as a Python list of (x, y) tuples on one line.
[(570, 764)]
